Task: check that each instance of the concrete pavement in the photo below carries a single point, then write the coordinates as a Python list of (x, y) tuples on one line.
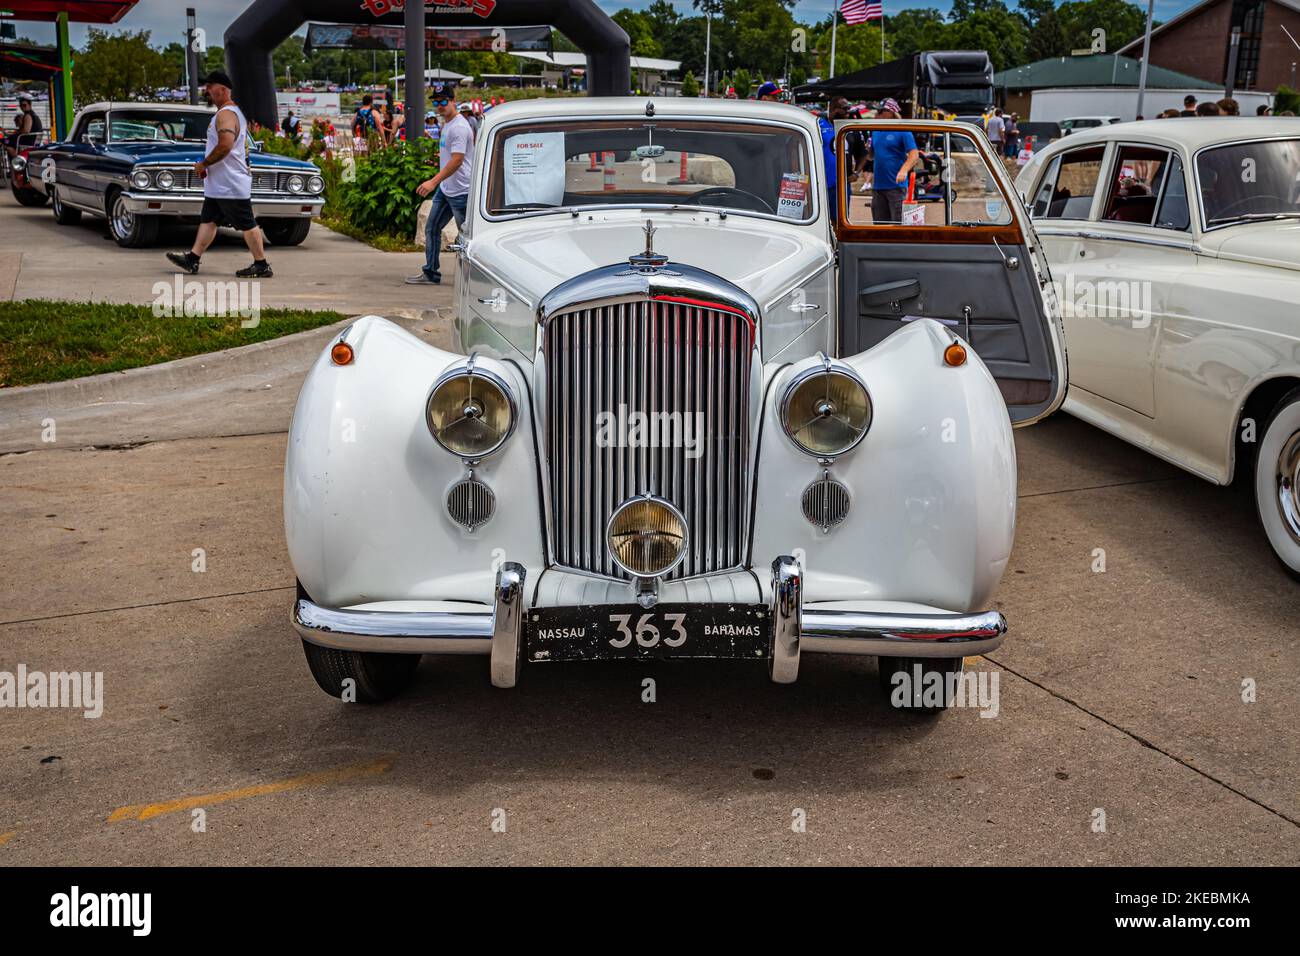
[(1120, 694), (39, 259)]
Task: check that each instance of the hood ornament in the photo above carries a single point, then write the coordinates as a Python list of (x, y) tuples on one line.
[(648, 262)]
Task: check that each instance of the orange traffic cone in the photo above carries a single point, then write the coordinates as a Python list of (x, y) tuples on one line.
[(593, 167), (683, 174)]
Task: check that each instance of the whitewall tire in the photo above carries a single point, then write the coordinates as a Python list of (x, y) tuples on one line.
[(1277, 482)]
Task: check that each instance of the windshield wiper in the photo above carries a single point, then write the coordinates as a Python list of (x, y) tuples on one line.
[(1256, 217)]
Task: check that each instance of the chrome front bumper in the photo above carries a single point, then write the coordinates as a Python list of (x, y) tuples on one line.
[(155, 204), (498, 631)]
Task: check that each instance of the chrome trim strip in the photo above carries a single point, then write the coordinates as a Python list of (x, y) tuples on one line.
[(833, 631), (1189, 245), (787, 624), (507, 625), (394, 632)]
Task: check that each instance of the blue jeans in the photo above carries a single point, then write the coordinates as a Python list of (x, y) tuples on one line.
[(444, 208)]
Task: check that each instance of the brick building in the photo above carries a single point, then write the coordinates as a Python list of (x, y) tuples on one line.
[(1197, 41)]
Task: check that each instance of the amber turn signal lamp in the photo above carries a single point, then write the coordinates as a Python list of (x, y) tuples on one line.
[(342, 354), (954, 355)]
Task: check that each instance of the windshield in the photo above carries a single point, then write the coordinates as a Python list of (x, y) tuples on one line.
[(749, 168), (1250, 181), (971, 96), (158, 125)]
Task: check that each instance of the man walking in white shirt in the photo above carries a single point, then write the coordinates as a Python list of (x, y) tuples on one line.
[(450, 185), (227, 184)]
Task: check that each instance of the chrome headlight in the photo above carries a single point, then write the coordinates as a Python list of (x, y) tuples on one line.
[(20, 163), (826, 410), (470, 412), (166, 179), (141, 179), (646, 536), (295, 184), (315, 185)]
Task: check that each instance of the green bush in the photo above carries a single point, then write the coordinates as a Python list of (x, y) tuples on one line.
[(1286, 99), (382, 200), (279, 145), (689, 85)]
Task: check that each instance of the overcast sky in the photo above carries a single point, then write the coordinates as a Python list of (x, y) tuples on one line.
[(165, 19)]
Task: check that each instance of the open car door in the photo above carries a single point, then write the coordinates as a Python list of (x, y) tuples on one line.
[(952, 243)]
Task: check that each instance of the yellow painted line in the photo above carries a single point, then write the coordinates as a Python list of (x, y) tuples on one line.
[(6, 837), (320, 778)]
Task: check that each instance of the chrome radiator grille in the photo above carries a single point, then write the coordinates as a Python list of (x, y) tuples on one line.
[(684, 366)]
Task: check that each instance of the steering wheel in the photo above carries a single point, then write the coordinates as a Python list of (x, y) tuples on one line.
[(747, 200), (1224, 211)]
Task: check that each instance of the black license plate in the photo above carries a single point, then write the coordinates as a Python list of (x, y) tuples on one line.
[(623, 631)]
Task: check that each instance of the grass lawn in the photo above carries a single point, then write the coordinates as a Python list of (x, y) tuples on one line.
[(44, 341)]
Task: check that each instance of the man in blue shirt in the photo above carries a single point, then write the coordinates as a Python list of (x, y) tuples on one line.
[(895, 155)]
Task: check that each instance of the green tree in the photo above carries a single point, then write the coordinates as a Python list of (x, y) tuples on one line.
[(764, 34), (118, 66), (690, 87), (995, 29), (857, 47), (640, 29), (743, 83), (921, 28), (1122, 22)]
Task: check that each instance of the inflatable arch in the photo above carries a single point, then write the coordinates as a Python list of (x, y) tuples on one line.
[(268, 23)]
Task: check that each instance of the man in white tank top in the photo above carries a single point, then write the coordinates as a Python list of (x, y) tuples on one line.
[(227, 183)]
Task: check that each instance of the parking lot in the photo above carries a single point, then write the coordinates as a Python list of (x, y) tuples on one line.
[(1121, 737)]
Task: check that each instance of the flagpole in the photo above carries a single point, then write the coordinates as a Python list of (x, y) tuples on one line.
[(882, 33), (834, 22)]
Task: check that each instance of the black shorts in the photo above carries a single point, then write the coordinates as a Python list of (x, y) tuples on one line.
[(229, 212)]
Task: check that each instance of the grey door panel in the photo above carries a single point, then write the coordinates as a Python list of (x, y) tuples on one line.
[(971, 288)]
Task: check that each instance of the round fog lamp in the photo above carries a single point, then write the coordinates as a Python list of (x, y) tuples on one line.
[(140, 180), (826, 411), (646, 536), (470, 413)]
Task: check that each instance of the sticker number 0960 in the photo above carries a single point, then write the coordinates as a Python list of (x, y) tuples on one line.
[(646, 633)]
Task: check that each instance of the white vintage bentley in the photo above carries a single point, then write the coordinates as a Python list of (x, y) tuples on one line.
[(1175, 244), (690, 414)]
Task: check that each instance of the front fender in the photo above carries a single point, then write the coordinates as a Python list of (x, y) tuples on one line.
[(933, 484), (365, 483)]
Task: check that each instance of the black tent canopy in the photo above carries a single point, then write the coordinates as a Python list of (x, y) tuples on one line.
[(887, 79)]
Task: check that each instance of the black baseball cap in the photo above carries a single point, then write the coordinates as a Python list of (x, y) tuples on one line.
[(216, 76)]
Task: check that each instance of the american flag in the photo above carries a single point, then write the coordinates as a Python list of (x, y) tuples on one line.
[(860, 11)]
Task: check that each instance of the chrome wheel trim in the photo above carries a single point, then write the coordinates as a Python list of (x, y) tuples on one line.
[(122, 218), (55, 205), (1287, 486)]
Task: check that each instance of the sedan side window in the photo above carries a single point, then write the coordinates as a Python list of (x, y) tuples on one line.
[(1072, 181), (1148, 189), (1174, 213), (94, 131)]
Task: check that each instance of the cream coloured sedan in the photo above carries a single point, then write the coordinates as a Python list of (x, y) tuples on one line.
[(1174, 246)]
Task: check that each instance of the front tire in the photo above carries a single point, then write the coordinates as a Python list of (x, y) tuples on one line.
[(64, 215), (374, 677), (926, 687), (286, 232), (28, 197), (1277, 482), (129, 230)]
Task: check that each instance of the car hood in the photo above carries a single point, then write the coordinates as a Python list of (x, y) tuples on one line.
[(193, 152), (536, 254), (1267, 243)]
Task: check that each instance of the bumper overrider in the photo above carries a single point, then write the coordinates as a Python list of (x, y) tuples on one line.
[(796, 628), (153, 204)]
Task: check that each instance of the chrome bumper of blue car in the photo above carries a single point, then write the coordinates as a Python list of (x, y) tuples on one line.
[(264, 207), (497, 631)]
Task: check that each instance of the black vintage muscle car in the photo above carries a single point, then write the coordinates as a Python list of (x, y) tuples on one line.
[(133, 164)]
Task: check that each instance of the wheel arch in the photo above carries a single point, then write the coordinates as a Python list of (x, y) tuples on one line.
[(1258, 405)]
